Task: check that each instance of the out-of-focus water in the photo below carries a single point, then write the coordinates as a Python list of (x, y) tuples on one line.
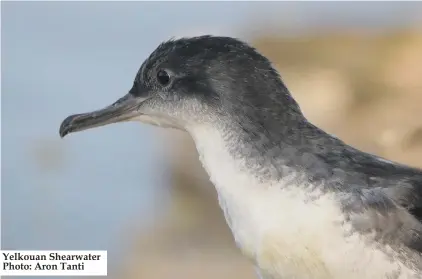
[(64, 58)]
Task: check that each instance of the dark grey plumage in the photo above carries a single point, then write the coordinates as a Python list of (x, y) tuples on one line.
[(230, 84)]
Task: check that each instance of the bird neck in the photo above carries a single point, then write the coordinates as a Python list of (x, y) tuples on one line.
[(261, 153)]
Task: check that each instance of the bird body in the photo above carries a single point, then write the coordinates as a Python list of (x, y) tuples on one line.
[(300, 203), (287, 227)]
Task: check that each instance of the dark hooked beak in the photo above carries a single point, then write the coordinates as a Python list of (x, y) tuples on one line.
[(124, 109)]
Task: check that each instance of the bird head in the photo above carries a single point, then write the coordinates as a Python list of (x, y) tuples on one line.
[(196, 81)]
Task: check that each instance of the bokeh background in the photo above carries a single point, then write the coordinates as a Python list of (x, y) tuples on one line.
[(138, 191)]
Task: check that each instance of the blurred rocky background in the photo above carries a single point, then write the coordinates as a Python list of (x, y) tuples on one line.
[(355, 69)]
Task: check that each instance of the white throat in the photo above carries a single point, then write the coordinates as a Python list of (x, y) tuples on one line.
[(286, 232)]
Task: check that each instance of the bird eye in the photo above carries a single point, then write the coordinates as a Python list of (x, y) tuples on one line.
[(163, 77)]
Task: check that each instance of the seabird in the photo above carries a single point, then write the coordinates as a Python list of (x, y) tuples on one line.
[(300, 202)]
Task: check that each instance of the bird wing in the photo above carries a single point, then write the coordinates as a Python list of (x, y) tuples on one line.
[(407, 196), (378, 196), (373, 212), (391, 205)]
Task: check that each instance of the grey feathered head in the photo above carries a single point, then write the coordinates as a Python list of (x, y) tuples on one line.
[(198, 80)]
